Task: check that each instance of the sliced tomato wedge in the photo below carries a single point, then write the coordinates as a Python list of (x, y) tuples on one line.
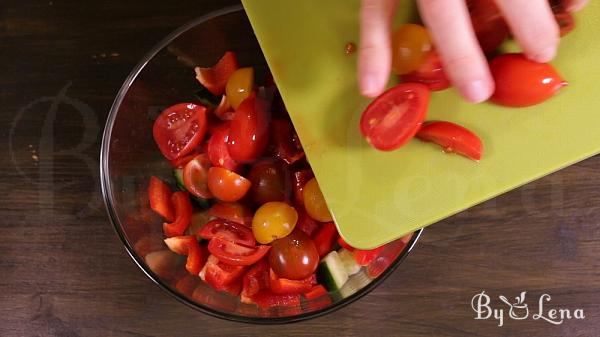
[(364, 257), (344, 244), (565, 21), (249, 130), (285, 140), (325, 237), (219, 275), (255, 280), (159, 194), (453, 138), (232, 211), (235, 254), (305, 223), (431, 73), (266, 299), (285, 286), (215, 79), (217, 149), (228, 230), (393, 118), (181, 162), (195, 176), (183, 215), (300, 179), (179, 129), (188, 245)]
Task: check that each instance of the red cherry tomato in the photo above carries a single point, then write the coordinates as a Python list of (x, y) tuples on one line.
[(521, 82), (489, 25), (228, 230), (179, 129), (431, 73), (269, 179), (195, 176), (249, 130), (215, 79), (410, 44), (226, 185), (285, 286), (159, 194), (565, 21), (294, 257), (217, 149), (393, 118), (235, 254), (183, 215), (285, 140), (325, 237), (232, 211), (453, 138)]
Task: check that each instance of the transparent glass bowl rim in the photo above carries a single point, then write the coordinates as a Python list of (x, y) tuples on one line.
[(109, 203)]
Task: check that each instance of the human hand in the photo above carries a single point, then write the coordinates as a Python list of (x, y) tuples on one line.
[(531, 22)]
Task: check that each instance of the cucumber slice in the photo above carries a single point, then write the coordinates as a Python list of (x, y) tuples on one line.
[(355, 284), (201, 203), (207, 98), (331, 272), (348, 261)]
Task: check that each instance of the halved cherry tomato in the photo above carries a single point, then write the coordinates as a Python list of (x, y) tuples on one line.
[(228, 230), (224, 111), (179, 129), (325, 237), (226, 185), (285, 286), (195, 176), (285, 140), (183, 214), (344, 244), (266, 299), (240, 86), (269, 180), (215, 79), (364, 257), (188, 245), (235, 254), (219, 275), (249, 130), (306, 224), (181, 162), (273, 220), (300, 178), (453, 138), (255, 280), (232, 211), (217, 149), (565, 21), (393, 118), (159, 194), (314, 202), (431, 73), (521, 82), (489, 25), (294, 257), (410, 45)]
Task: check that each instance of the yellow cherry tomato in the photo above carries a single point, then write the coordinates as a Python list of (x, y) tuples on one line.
[(410, 45), (239, 86), (273, 220), (314, 202)]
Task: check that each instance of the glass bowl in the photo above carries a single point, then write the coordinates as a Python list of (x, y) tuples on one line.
[(129, 157)]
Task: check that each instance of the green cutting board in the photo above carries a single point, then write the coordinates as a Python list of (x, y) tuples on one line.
[(376, 197)]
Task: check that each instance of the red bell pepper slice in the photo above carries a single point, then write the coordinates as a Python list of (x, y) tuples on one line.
[(315, 292), (183, 215), (285, 286), (255, 280), (233, 288), (344, 244), (159, 194), (364, 257), (317, 298), (219, 275), (300, 179), (235, 254), (224, 111), (266, 299), (228, 230), (305, 223), (325, 237), (188, 245), (215, 79), (286, 142)]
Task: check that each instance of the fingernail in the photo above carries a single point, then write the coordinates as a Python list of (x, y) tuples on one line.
[(476, 91), (546, 56), (369, 86)]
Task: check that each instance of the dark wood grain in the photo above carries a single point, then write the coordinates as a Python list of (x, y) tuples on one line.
[(64, 272)]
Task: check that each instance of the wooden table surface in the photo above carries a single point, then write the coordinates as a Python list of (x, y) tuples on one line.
[(64, 272)]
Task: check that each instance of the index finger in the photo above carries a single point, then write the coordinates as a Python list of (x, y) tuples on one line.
[(464, 62)]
